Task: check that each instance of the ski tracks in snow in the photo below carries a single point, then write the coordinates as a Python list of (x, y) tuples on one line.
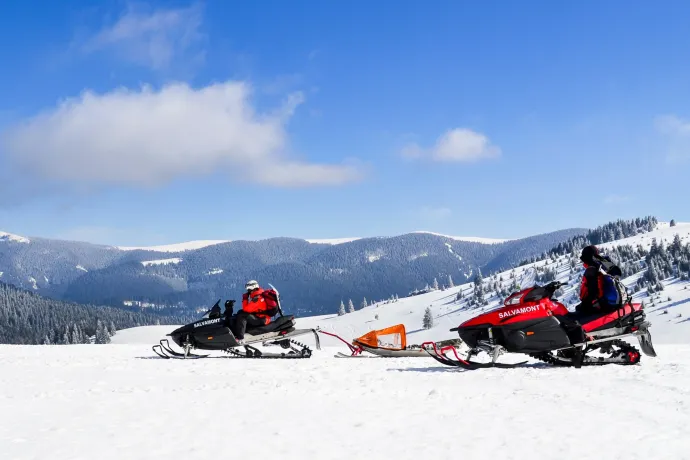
[(112, 402)]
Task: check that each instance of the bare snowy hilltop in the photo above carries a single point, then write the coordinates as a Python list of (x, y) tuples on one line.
[(120, 400)]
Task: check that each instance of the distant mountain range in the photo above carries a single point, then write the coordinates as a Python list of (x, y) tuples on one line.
[(313, 276)]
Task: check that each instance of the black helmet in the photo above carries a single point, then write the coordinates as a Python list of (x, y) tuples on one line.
[(589, 254)]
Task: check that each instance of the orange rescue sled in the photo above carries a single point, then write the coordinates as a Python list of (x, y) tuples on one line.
[(390, 342)]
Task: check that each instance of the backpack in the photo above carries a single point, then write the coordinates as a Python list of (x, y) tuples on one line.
[(612, 288)]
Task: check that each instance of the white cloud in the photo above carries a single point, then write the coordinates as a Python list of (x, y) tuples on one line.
[(671, 124), (677, 134), (150, 137), (152, 38), (456, 145)]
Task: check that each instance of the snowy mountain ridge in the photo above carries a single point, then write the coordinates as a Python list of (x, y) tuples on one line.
[(199, 244), (4, 236), (203, 270)]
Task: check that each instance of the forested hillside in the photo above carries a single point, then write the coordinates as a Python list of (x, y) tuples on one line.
[(27, 318)]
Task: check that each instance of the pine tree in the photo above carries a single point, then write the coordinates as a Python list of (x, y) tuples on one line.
[(428, 320), (341, 310), (364, 303), (435, 285), (478, 280), (102, 336), (350, 306), (46, 341), (450, 282), (673, 222)]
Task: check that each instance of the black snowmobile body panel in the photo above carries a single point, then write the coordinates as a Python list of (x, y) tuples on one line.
[(534, 335), (529, 336)]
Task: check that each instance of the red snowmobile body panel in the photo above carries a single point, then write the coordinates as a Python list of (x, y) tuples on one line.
[(520, 306), (598, 322)]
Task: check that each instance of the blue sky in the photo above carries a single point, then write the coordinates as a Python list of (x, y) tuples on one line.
[(150, 123)]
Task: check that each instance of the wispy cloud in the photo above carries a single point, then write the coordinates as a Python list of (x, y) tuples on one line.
[(677, 134), (455, 145), (616, 199), (435, 213), (153, 39), (150, 137), (671, 124)]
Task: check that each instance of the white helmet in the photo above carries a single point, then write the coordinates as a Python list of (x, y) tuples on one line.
[(251, 285)]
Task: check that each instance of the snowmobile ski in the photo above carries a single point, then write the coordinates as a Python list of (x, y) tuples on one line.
[(441, 357), (164, 350)]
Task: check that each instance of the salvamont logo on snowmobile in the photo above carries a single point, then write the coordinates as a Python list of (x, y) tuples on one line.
[(208, 321), (518, 311)]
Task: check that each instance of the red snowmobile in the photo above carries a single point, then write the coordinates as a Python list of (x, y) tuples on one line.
[(531, 322)]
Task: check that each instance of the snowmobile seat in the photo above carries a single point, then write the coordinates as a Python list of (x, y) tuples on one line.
[(279, 324)]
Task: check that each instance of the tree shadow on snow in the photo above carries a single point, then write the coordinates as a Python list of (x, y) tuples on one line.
[(671, 305)]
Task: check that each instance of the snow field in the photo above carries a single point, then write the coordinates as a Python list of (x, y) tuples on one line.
[(118, 402)]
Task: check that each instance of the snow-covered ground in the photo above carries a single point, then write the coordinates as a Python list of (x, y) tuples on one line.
[(118, 402)]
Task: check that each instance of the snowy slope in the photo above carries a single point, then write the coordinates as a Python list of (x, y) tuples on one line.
[(470, 239), (664, 232), (4, 236), (177, 247), (116, 402)]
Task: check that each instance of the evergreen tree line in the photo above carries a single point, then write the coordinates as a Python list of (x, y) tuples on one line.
[(351, 306), (606, 233), (665, 262), (27, 318)]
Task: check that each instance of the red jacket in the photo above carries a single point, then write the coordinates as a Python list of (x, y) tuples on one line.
[(592, 289), (261, 303)]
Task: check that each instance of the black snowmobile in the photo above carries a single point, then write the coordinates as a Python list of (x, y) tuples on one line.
[(214, 333)]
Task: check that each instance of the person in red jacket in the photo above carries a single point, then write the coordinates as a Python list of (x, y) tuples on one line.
[(258, 307), (593, 290)]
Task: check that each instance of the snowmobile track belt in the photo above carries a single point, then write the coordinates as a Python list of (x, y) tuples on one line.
[(254, 353)]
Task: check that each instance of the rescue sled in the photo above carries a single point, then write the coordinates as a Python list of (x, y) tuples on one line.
[(390, 342)]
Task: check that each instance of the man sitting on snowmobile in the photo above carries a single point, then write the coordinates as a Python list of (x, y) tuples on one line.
[(598, 292), (258, 306)]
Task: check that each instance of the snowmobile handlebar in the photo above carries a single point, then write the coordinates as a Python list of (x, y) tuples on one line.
[(553, 286)]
